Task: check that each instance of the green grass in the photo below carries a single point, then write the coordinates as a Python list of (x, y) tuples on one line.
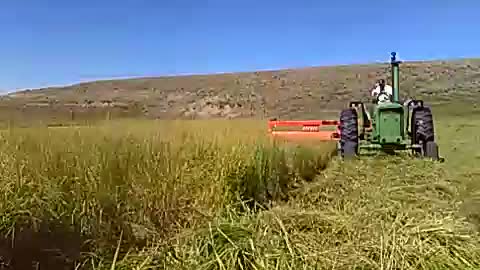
[(219, 195)]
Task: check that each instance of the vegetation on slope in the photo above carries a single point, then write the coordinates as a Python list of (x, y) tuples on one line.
[(292, 93)]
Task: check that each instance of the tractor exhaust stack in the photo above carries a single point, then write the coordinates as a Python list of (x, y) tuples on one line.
[(395, 77)]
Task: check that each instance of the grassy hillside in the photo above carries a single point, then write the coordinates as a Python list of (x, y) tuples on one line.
[(295, 93)]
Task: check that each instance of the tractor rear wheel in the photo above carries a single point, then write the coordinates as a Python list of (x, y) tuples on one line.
[(348, 144), (424, 132)]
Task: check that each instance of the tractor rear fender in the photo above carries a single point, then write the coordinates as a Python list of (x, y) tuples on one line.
[(365, 121), (412, 105)]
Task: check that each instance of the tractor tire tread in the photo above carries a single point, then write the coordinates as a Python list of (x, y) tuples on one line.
[(423, 121), (349, 132), (431, 150)]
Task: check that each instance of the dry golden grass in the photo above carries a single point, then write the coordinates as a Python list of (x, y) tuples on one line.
[(142, 181), (221, 195)]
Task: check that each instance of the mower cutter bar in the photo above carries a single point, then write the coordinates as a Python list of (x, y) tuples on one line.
[(310, 129)]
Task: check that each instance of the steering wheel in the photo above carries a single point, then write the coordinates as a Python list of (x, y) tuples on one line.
[(383, 96)]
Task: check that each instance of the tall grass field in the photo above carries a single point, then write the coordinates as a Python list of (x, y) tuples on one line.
[(220, 194)]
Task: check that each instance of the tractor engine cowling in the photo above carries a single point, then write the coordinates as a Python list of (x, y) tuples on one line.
[(389, 123)]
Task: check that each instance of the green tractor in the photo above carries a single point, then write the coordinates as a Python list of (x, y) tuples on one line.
[(388, 126)]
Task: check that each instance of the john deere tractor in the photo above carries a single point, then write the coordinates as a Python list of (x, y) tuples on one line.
[(388, 126)]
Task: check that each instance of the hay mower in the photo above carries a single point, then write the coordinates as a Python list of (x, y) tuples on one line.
[(387, 126)]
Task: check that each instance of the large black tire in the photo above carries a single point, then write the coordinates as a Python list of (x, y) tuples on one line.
[(348, 133), (423, 132)]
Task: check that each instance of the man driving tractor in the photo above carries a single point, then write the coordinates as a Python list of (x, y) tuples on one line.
[(381, 93)]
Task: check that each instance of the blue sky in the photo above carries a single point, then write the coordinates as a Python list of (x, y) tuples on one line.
[(44, 43)]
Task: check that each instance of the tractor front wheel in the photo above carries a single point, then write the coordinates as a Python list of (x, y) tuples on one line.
[(348, 145)]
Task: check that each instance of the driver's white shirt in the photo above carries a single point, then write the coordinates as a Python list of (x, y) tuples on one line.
[(383, 98)]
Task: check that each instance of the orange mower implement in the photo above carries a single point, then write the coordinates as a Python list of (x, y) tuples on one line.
[(298, 130)]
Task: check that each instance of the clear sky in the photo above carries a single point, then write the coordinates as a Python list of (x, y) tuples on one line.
[(57, 42)]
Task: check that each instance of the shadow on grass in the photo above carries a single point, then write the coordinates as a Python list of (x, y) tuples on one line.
[(49, 247), (274, 171)]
